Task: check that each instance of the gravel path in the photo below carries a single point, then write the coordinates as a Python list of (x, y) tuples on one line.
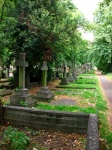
[(106, 86)]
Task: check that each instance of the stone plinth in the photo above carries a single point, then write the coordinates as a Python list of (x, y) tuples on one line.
[(44, 94), (64, 81), (22, 98)]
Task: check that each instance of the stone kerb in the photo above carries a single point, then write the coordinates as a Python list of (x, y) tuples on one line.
[(55, 120), (92, 141)]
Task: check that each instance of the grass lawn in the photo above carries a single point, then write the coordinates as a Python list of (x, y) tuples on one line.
[(90, 101)]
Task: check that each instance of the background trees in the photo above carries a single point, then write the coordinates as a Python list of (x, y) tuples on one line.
[(44, 30), (101, 49)]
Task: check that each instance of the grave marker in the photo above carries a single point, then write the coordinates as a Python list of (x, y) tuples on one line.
[(64, 80), (21, 95), (70, 77), (44, 93)]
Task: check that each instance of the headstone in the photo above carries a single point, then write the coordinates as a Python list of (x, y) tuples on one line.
[(64, 80), (1, 113), (70, 77), (44, 93), (83, 68), (21, 96), (1, 73), (74, 71)]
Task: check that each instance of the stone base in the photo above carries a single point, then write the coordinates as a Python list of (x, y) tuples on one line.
[(22, 98), (44, 94), (70, 79), (64, 81)]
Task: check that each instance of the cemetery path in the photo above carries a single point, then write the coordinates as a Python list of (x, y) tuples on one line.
[(106, 86)]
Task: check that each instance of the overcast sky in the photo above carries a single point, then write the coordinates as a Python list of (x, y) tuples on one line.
[(87, 7)]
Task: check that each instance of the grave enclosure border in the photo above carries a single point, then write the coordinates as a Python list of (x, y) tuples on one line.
[(54, 120)]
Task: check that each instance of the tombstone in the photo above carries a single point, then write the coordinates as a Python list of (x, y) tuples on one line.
[(6, 73), (83, 68), (21, 96), (70, 77), (79, 70), (44, 94), (1, 113), (74, 72), (64, 80), (1, 73)]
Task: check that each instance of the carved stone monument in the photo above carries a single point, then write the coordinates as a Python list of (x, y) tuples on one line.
[(21, 96), (64, 80), (44, 93)]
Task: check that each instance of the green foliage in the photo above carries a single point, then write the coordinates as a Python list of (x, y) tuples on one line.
[(23, 103), (15, 139), (101, 49), (43, 30)]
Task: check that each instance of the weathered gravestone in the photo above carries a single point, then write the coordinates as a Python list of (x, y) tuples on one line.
[(74, 72), (70, 77), (1, 73), (44, 93), (64, 80), (21, 96)]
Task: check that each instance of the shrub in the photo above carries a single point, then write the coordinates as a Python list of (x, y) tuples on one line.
[(17, 140)]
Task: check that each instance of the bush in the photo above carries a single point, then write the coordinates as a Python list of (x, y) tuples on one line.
[(17, 140)]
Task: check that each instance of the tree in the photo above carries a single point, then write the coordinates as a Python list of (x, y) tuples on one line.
[(101, 52), (42, 29)]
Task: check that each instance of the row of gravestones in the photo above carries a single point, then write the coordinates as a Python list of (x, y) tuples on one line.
[(21, 95)]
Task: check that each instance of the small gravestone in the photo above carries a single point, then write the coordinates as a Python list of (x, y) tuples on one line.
[(70, 77), (64, 80), (21, 96), (44, 93)]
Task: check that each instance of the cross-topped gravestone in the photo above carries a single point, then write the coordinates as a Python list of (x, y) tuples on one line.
[(64, 80), (44, 93), (70, 77), (44, 73), (22, 64), (21, 96)]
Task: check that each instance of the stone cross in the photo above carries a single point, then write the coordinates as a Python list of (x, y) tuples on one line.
[(44, 74), (22, 64)]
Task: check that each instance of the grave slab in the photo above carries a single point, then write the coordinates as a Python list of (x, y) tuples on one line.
[(5, 92), (63, 101)]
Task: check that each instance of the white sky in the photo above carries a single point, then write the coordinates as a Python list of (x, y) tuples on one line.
[(87, 7)]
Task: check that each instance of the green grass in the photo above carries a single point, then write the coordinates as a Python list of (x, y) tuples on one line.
[(98, 105)]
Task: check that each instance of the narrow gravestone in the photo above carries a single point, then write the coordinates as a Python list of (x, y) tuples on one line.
[(70, 77), (64, 80), (44, 93), (21, 96), (1, 73)]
